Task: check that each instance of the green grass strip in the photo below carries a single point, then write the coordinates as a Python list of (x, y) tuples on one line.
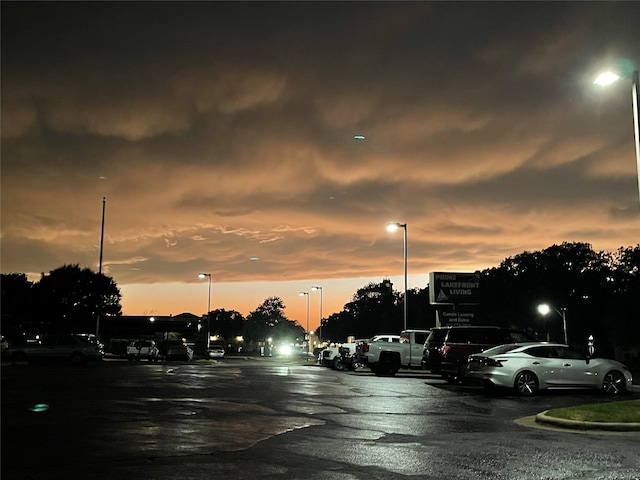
[(627, 411)]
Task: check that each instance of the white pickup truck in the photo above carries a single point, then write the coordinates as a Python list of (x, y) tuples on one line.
[(386, 358)]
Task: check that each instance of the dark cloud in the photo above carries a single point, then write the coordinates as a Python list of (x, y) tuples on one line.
[(221, 131)]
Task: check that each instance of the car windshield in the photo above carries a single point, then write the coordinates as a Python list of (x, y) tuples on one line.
[(500, 349)]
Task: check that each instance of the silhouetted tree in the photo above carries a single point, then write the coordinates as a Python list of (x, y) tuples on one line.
[(592, 286), (17, 292), (227, 323), (337, 327), (18, 305), (71, 298), (421, 314), (268, 318)]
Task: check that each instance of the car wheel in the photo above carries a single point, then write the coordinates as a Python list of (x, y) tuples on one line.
[(337, 364), (77, 359), (526, 384), (614, 383), (387, 366)]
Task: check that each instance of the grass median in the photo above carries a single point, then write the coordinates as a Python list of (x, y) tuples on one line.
[(627, 411)]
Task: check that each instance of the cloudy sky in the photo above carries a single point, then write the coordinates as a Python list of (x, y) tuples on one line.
[(222, 137)]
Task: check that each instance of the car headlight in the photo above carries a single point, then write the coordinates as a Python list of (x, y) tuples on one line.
[(285, 350)]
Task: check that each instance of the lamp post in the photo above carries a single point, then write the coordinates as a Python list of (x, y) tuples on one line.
[(544, 309), (208, 275), (320, 325), (608, 78), (392, 227), (303, 294)]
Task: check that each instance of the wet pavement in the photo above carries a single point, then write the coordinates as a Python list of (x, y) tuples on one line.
[(268, 418)]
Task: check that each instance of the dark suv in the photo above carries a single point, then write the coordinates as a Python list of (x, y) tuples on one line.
[(447, 348)]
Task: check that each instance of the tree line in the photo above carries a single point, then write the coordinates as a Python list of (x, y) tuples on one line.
[(599, 290)]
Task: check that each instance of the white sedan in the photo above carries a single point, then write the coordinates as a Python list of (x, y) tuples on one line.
[(215, 351), (530, 367)]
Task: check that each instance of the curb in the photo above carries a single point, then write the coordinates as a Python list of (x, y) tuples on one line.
[(581, 425)]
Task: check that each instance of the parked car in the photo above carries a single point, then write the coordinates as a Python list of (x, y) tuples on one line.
[(386, 358), (56, 347), (179, 351), (530, 367), (447, 349), (215, 351), (140, 349)]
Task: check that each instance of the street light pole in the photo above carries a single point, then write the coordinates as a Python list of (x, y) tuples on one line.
[(208, 275), (544, 309), (308, 336), (636, 121), (392, 227), (319, 326), (608, 78), (563, 311)]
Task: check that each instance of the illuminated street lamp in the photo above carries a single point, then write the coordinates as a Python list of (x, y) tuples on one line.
[(208, 275), (320, 326), (303, 294), (544, 309), (608, 78), (392, 227)]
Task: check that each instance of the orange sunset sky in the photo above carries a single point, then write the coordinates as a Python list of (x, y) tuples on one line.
[(222, 137)]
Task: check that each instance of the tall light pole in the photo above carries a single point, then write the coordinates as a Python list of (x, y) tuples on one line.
[(544, 309), (608, 78), (392, 227), (302, 294), (320, 326), (104, 202), (208, 275)]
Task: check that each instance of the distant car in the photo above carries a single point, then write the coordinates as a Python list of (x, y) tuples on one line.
[(530, 367), (56, 347), (180, 351), (140, 349), (215, 351)]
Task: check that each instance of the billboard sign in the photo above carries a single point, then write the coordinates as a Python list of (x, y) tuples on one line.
[(454, 288)]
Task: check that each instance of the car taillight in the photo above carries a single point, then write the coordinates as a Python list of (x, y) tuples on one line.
[(490, 362), (365, 347), (444, 350)]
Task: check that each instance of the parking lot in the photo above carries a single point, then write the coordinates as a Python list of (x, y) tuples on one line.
[(253, 417)]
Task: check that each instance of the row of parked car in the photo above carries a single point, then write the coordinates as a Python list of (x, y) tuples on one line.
[(80, 349), (491, 356)]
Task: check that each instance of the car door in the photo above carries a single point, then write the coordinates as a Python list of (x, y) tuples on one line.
[(546, 364), (575, 370)]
